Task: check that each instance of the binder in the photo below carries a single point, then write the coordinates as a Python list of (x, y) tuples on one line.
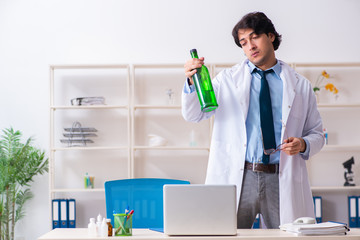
[(358, 212), (318, 208), (71, 213), (55, 213), (353, 210), (63, 213), (256, 222)]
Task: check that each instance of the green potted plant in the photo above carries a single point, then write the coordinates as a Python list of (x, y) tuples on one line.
[(19, 163)]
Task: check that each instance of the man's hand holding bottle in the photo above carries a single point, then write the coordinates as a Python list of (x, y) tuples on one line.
[(190, 67)]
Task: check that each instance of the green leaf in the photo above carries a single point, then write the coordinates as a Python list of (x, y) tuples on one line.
[(19, 163), (21, 198)]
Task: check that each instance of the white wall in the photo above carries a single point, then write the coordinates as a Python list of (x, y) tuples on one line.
[(36, 33)]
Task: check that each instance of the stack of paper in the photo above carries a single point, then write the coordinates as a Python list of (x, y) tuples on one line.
[(78, 136), (326, 228)]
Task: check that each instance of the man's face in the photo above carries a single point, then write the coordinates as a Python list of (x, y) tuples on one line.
[(258, 48)]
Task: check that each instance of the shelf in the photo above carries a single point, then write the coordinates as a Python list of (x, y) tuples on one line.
[(90, 107), (67, 190), (341, 148), (151, 102), (87, 148), (155, 66), (339, 64), (296, 65), (335, 189), (170, 148), (327, 105), (88, 66), (157, 107)]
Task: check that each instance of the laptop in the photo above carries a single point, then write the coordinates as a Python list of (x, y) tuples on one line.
[(198, 209)]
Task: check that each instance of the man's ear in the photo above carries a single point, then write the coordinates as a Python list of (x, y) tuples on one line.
[(271, 37)]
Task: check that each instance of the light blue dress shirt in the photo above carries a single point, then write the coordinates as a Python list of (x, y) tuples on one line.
[(254, 151)]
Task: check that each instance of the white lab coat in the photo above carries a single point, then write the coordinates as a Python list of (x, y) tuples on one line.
[(228, 143)]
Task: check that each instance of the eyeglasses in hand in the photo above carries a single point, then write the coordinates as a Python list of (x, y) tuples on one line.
[(278, 148)]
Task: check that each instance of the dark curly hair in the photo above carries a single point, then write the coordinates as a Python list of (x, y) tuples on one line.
[(260, 23)]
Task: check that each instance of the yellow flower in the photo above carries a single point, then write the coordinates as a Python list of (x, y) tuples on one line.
[(329, 86), (325, 74)]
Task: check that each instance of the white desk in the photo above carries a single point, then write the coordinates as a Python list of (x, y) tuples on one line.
[(145, 234)]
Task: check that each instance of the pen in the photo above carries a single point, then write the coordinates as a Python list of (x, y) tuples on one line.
[(130, 213), (128, 216), (119, 228)]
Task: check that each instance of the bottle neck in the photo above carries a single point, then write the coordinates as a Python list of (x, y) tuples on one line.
[(194, 54)]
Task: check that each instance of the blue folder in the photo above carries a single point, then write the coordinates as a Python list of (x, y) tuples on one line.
[(318, 208), (55, 213), (71, 213), (63, 213), (358, 212), (256, 223), (353, 211)]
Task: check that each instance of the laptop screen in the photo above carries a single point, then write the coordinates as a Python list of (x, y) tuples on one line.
[(199, 209)]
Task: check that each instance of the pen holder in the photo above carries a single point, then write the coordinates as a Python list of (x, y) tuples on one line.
[(89, 182), (123, 224)]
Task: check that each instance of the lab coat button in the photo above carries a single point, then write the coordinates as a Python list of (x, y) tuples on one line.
[(289, 106)]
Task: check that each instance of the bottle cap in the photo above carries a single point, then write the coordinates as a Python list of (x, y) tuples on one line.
[(193, 50)]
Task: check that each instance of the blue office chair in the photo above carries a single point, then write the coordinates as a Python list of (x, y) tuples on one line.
[(143, 195)]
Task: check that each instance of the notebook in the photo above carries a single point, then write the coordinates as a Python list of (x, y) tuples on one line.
[(198, 209)]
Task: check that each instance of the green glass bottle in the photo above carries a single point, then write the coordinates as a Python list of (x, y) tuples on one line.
[(204, 87)]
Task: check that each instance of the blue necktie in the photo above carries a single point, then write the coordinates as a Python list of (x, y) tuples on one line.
[(266, 116)]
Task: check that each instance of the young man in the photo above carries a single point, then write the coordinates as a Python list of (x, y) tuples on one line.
[(260, 142)]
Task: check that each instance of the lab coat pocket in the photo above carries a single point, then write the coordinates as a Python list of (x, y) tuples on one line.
[(294, 126), (293, 169), (220, 158), (296, 120)]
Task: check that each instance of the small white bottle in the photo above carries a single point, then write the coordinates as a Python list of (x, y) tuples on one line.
[(92, 231), (192, 139), (325, 135), (98, 224), (104, 228)]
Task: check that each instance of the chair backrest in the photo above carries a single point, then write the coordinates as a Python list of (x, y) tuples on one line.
[(143, 195)]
